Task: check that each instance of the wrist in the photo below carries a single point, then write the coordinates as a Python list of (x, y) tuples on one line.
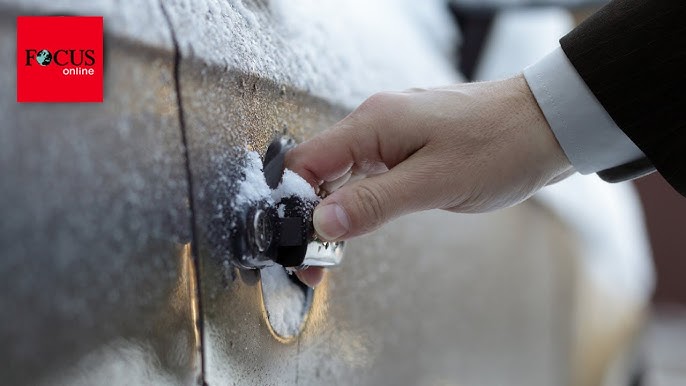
[(545, 147)]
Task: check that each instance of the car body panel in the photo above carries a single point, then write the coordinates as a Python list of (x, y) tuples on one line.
[(96, 269)]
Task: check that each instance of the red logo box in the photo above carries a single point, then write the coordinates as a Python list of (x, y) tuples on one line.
[(59, 59)]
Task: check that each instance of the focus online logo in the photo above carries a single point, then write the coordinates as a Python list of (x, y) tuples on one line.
[(63, 58), (59, 59)]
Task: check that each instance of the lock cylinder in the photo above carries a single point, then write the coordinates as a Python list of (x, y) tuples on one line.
[(253, 236)]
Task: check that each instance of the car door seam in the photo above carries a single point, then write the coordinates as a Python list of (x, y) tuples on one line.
[(184, 140)]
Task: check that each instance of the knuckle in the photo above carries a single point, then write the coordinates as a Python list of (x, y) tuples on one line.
[(375, 103)]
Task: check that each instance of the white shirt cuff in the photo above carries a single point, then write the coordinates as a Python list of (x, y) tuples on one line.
[(586, 132)]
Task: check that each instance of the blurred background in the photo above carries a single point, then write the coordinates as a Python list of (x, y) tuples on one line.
[(666, 223), (496, 41)]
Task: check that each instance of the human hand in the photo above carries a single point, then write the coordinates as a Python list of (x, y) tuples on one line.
[(466, 148)]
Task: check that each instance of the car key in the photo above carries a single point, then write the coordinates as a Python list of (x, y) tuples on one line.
[(281, 230)]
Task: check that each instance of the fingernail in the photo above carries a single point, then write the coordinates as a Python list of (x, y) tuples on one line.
[(311, 277), (330, 221)]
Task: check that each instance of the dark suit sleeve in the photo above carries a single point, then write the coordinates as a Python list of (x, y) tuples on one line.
[(632, 55)]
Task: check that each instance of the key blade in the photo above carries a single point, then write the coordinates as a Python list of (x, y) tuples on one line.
[(320, 255)]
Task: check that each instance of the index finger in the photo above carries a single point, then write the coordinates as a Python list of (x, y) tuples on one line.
[(376, 132)]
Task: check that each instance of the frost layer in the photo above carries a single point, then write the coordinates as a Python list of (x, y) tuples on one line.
[(254, 187), (293, 185), (284, 301)]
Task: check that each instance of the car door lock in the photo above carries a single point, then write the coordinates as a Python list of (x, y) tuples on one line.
[(280, 230)]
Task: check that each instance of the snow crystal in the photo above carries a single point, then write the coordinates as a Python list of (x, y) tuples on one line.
[(284, 300), (254, 187), (294, 185), (281, 210)]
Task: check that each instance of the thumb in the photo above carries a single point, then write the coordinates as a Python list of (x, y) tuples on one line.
[(366, 204)]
